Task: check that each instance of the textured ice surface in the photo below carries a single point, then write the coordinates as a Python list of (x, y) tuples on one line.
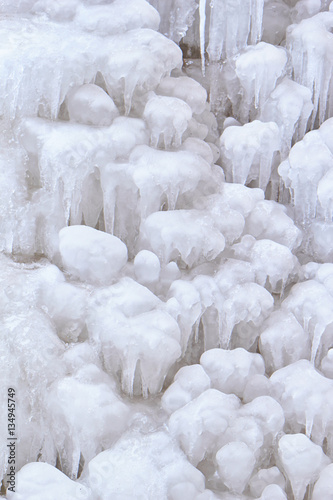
[(269, 220), (147, 267), (129, 325), (280, 330), (235, 462), (91, 255), (274, 264), (186, 89), (144, 463), (264, 478), (167, 117), (214, 422), (308, 174), (230, 371), (169, 334), (231, 25), (311, 303), (290, 106), (189, 382), (163, 233), (322, 488), (305, 396), (90, 105), (247, 152), (310, 46), (302, 461), (38, 481), (257, 70), (75, 425), (80, 56)]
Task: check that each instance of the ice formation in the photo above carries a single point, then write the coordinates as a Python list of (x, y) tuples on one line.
[(290, 106), (256, 70), (310, 47), (302, 461), (91, 255), (307, 173), (166, 276), (247, 152)]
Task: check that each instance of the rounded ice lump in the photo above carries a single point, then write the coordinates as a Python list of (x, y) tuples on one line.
[(91, 255)]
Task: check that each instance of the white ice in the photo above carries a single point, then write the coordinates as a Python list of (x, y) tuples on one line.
[(90, 105), (143, 463), (310, 46), (302, 461), (322, 488), (232, 24), (230, 371), (255, 73), (129, 325), (307, 174), (163, 233), (305, 396), (38, 481), (167, 119), (290, 106), (91, 255), (80, 57), (247, 152), (169, 333)]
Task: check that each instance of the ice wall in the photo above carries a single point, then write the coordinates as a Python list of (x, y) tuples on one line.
[(167, 326)]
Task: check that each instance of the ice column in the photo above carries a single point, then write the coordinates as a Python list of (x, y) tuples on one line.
[(310, 44), (232, 24)]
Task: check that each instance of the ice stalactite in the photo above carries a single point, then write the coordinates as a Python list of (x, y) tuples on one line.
[(307, 172), (162, 232), (202, 29), (247, 152), (232, 25), (27, 90), (302, 462), (290, 106), (168, 119), (311, 304), (274, 264), (301, 390), (129, 325), (257, 71), (155, 294), (311, 48), (67, 156)]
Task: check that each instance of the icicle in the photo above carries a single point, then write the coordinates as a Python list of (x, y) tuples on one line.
[(310, 46), (196, 330), (202, 13), (257, 10), (228, 326), (317, 334), (309, 417)]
